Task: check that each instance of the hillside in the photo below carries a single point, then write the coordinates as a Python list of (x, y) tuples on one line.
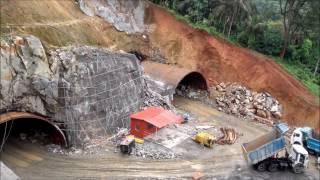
[(61, 23)]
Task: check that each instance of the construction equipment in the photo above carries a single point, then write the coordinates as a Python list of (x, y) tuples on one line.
[(205, 139), (263, 152), (138, 140), (311, 143), (127, 144)]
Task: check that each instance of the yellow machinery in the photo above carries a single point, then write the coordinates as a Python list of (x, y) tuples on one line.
[(138, 140), (205, 139)]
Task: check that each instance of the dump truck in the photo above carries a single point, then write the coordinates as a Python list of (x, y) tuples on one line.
[(310, 142), (264, 152)]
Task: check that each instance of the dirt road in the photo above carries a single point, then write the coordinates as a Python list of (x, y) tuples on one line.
[(223, 162)]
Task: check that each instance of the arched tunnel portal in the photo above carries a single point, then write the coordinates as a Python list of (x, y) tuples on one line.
[(165, 79), (194, 80), (13, 123)]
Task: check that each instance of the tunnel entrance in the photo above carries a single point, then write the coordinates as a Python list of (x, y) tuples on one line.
[(193, 86), (29, 129), (170, 80), (193, 80)]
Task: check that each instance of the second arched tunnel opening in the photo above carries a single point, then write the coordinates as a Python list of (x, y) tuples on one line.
[(193, 80), (171, 80), (194, 86)]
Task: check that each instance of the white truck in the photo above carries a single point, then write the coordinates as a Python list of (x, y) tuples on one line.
[(263, 152)]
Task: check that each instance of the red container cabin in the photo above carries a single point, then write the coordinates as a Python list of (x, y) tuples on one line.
[(151, 120)]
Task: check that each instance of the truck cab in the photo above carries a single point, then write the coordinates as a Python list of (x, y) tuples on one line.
[(299, 157), (297, 137), (310, 141)]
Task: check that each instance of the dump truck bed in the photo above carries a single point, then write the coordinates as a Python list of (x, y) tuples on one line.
[(263, 147), (314, 145)]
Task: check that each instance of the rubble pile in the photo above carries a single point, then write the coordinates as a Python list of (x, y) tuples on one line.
[(240, 101), (73, 151), (98, 146), (56, 149), (44, 140), (35, 136), (153, 151), (152, 98), (95, 146), (197, 94), (146, 150)]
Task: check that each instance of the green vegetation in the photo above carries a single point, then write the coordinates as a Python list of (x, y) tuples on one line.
[(288, 30), (302, 73), (210, 29)]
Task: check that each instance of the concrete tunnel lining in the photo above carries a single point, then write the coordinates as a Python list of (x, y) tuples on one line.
[(11, 116), (173, 75)]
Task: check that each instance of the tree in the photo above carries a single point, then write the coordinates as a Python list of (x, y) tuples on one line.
[(312, 29), (199, 10), (291, 19), (233, 12)]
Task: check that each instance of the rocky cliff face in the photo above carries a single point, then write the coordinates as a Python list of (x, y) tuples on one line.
[(127, 16), (27, 82), (88, 91)]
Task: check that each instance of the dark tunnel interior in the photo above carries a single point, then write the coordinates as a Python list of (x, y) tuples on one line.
[(193, 80), (30, 130)]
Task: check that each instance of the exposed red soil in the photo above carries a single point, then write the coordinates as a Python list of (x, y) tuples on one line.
[(221, 61)]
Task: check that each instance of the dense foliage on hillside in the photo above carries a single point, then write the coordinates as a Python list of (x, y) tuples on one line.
[(288, 30)]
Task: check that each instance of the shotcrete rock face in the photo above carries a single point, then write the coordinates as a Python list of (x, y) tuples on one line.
[(89, 91), (98, 90)]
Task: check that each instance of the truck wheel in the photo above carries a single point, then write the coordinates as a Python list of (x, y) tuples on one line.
[(273, 167), (298, 169), (123, 149), (262, 166)]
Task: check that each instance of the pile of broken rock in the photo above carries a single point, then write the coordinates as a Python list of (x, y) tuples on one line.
[(152, 98), (238, 100), (196, 94), (151, 150)]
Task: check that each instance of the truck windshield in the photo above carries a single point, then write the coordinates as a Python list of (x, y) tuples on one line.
[(297, 135)]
